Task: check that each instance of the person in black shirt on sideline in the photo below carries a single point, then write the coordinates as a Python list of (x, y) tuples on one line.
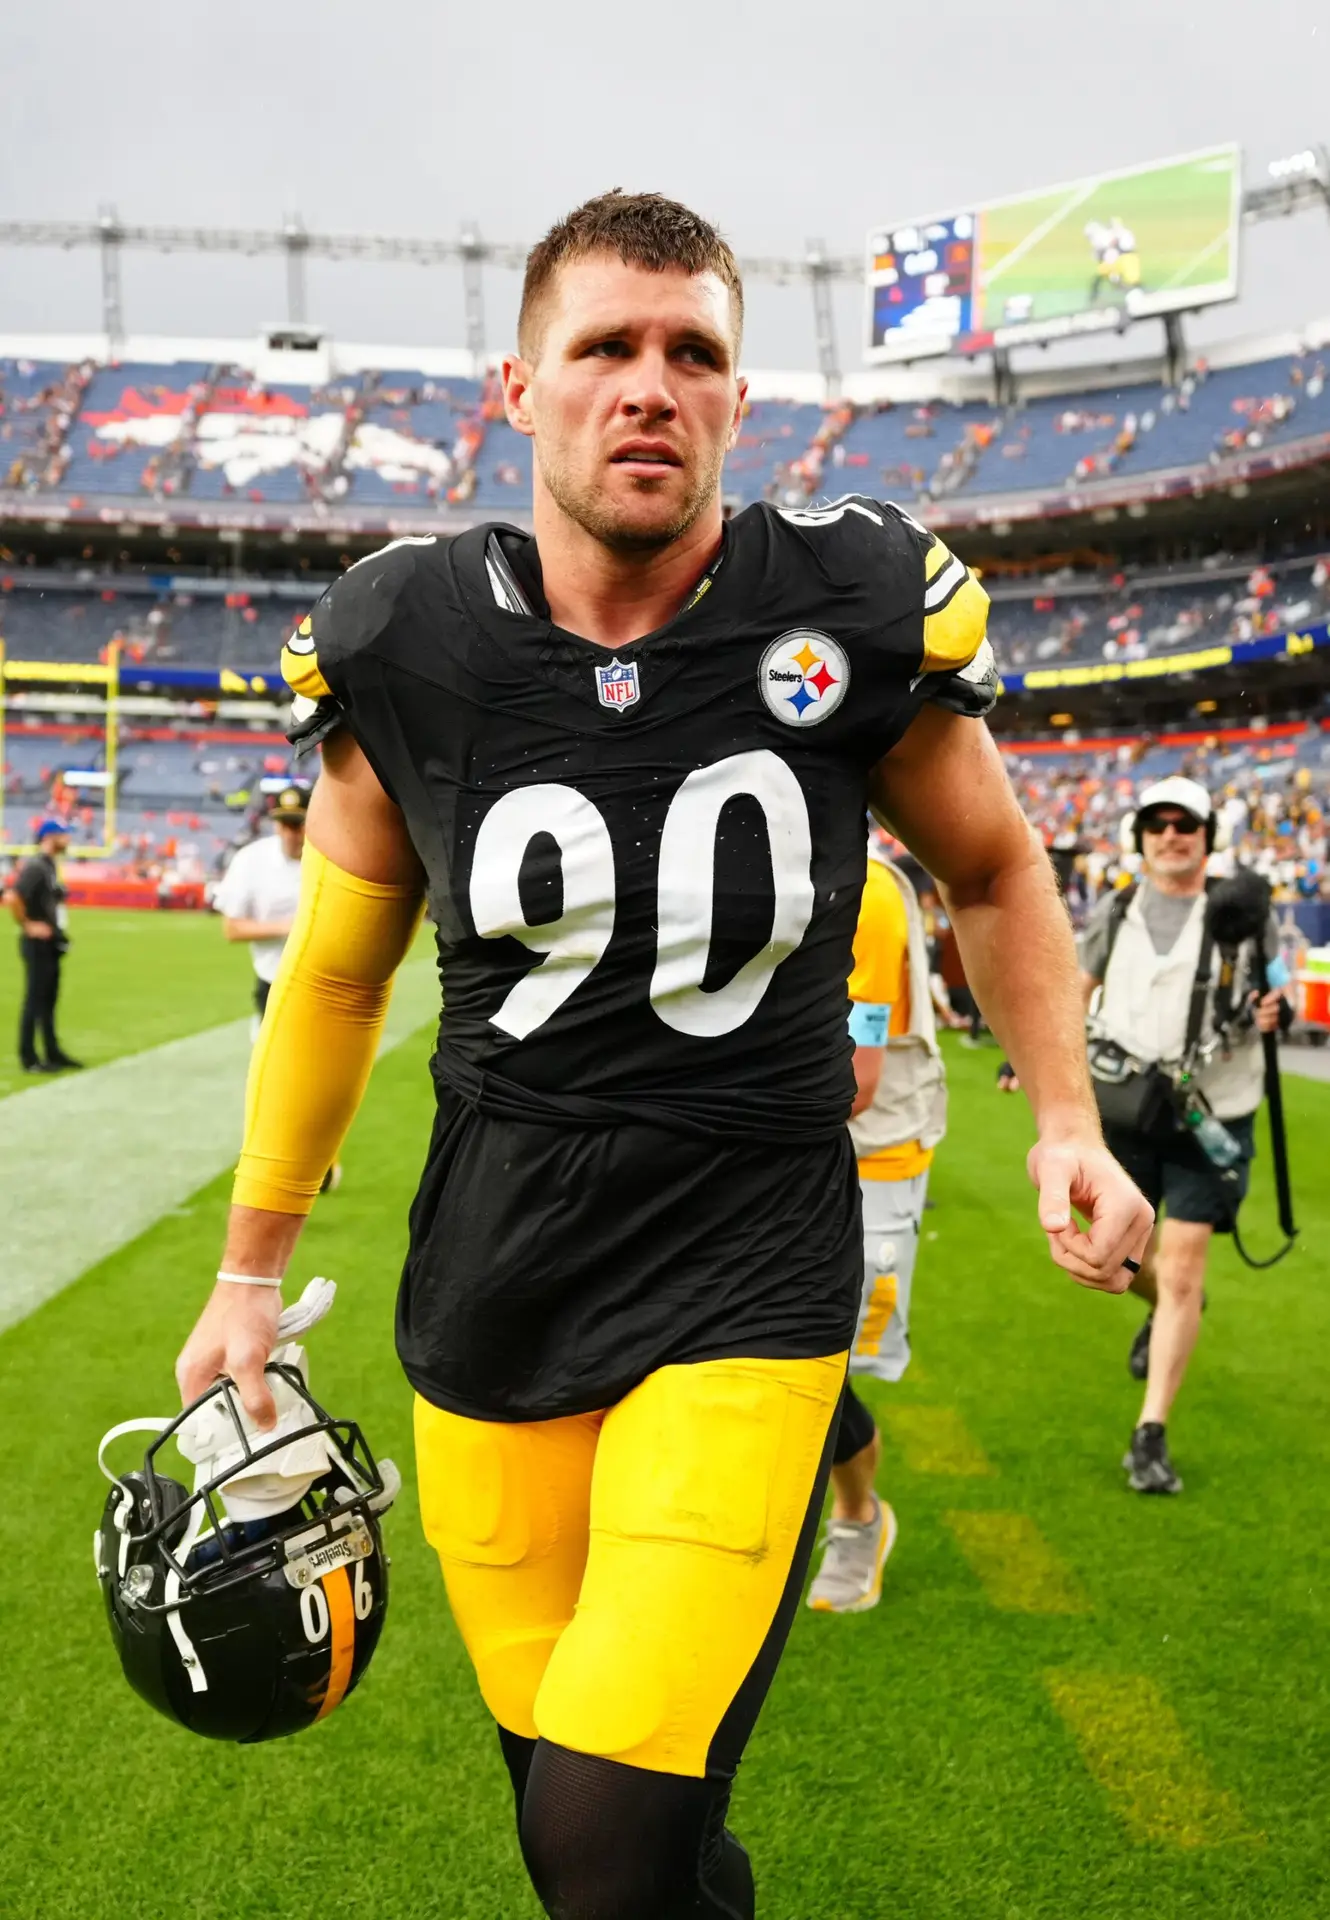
[(39, 908)]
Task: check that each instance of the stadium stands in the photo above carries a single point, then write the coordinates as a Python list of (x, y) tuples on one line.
[(1127, 617), (38, 402), (130, 417), (1273, 787), (412, 436), (907, 451), (774, 435), (398, 436), (934, 449), (242, 628), (1083, 617), (1064, 438), (172, 793)]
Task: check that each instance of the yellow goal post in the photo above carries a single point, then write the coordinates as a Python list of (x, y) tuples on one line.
[(29, 675)]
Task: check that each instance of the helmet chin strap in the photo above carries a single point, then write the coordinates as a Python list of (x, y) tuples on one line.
[(175, 1626), (124, 1514)]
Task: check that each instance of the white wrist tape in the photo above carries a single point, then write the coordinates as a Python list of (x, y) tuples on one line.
[(248, 1280)]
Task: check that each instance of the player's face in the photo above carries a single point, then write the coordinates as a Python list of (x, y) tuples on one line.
[(633, 399)]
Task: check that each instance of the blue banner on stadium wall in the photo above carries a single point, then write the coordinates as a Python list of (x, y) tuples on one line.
[(206, 682), (210, 682), (1236, 653)]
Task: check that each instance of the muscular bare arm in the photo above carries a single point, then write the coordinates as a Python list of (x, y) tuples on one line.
[(867, 1077), (354, 824), (235, 929), (943, 789)]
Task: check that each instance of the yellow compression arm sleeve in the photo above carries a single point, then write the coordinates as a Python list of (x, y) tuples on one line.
[(320, 1032)]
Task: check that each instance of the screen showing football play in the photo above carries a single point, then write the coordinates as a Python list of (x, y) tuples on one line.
[(1086, 257)]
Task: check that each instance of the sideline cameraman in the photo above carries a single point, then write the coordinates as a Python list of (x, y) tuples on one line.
[(1172, 1003)]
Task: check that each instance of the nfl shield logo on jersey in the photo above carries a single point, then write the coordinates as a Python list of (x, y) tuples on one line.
[(617, 684)]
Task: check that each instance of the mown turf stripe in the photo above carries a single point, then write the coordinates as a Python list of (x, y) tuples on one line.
[(1132, 1743), (1017, 1568), (937, 1440), (90, 1161)]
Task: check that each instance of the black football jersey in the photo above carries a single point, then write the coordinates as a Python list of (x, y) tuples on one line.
[(644, 866)]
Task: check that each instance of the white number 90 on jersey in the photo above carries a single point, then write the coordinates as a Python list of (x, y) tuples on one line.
[(571, 947)]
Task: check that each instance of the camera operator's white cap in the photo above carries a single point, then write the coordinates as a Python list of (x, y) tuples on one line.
[(1176, 791)]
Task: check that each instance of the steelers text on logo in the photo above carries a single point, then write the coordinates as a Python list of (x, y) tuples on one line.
[(803, 677)]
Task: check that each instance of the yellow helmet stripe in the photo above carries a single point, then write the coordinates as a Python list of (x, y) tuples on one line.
[(336, 1585)]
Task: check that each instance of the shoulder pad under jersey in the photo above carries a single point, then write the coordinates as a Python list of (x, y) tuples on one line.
[(895, 555), (350, 617), (972, 689)]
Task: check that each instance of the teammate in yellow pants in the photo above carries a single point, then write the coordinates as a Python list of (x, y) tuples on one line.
[(899, 1116)]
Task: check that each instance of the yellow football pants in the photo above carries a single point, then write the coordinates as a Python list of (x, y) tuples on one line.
[(614, 1575)]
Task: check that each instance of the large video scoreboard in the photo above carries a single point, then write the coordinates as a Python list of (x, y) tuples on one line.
[(1086, 257)]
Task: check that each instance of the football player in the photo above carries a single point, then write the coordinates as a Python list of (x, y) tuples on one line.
[(627, 762), (898, 1117)]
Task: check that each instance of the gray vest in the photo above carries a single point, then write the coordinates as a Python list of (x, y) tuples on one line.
[(911, 1098), (1143, 1004)]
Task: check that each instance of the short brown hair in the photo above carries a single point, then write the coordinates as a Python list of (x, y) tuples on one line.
[(644, 230)]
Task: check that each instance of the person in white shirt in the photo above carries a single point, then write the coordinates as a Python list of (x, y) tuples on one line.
[(260, 890), (257, 899)]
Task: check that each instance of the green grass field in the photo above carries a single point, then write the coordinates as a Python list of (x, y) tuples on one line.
[(1072, 1704), (130, 980), (1181, 214)]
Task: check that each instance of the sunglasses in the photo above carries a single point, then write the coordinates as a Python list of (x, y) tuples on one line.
[(1184, 823)]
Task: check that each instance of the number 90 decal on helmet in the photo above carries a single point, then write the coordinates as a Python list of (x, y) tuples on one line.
[(251, 1607)]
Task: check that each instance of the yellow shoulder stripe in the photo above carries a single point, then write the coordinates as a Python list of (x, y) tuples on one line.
[(955, 611), (301, 673)]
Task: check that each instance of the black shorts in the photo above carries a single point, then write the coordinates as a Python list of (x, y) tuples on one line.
[(1171, 1171), (551, 1268)]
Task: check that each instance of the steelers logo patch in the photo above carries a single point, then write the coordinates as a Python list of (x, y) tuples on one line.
[(803, 677)]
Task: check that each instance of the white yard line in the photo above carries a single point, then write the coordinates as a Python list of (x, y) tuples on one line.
[(1045, 227), (1189, 267), (90, 1161)]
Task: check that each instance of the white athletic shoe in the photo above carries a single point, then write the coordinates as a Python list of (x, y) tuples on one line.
[(850, 1577)]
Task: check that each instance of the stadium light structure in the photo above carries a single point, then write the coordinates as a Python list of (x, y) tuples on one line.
[(818, 268), (1296, 165), (296, 242), (1295, 183), (113, 321)]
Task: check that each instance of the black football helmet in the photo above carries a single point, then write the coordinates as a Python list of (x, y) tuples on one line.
[(248, 1628)]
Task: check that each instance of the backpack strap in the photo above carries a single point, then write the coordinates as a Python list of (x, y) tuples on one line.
[(1200, 988), (1117, 913)]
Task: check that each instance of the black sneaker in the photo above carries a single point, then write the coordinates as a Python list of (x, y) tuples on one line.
[(1138, 1360), (40, 1066), (64, 1063), (1149, 1469)]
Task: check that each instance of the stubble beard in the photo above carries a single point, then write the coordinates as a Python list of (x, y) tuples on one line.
[(1187, 870), (589, 509)]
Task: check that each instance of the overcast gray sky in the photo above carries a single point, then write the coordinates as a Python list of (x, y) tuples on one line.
[(781, 121)]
